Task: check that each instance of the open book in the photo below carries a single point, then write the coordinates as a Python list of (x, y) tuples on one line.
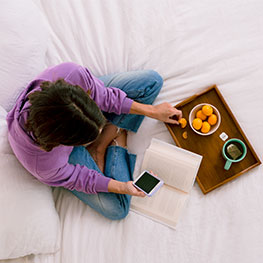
[(177, 168)]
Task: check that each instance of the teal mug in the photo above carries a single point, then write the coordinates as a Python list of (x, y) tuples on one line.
[(239, 148)]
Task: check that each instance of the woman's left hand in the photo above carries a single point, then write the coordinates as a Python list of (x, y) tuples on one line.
[(167, 113)]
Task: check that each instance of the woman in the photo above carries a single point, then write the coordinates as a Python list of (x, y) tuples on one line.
[(67, 129)]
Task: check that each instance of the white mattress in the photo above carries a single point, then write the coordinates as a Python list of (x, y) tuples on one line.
[(192, 44)]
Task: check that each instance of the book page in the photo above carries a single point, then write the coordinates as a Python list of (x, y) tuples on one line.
[(165, 206), (172, 150), (173, 172), (175, 166)]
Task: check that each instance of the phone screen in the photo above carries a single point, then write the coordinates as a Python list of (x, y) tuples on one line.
[(147, 182)]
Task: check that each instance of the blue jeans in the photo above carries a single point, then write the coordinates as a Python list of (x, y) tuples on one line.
[(142, 86)]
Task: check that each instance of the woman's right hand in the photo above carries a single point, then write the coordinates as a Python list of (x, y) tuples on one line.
[(163, 112)]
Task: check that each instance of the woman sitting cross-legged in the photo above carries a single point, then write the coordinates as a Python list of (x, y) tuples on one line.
[(68, 129)]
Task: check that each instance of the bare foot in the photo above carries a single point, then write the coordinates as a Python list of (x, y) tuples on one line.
[(121, 139), (98, 148)]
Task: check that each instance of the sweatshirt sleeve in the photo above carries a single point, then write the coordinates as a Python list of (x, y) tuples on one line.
[(73, 177), (108, 99), (76, 177)]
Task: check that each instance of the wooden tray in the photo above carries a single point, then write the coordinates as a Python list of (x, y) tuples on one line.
[(211, 173)]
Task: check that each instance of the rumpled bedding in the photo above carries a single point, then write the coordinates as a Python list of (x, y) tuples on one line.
[(192, 44)]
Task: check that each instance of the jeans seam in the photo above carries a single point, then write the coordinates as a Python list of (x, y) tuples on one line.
[(115, 149), (114, 158), (112, 169)]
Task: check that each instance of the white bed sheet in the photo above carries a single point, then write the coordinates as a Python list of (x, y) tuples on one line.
[(192, 44)]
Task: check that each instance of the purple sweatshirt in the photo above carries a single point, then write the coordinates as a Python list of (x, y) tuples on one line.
[(52, 168)]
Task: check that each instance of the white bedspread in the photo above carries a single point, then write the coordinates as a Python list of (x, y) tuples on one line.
[(192, 44)]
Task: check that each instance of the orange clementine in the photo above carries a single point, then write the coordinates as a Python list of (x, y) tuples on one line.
[(212, 120), (184, 135), (197, 123), (205, 127), (200, 115), (183, 122), (207, 110)]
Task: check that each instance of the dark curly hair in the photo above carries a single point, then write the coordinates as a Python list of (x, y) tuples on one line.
[(63, 114)]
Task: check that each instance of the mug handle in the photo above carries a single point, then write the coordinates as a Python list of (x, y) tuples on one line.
[(227, 165)]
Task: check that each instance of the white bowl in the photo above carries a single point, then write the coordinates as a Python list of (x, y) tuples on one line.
[(192, 116)]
